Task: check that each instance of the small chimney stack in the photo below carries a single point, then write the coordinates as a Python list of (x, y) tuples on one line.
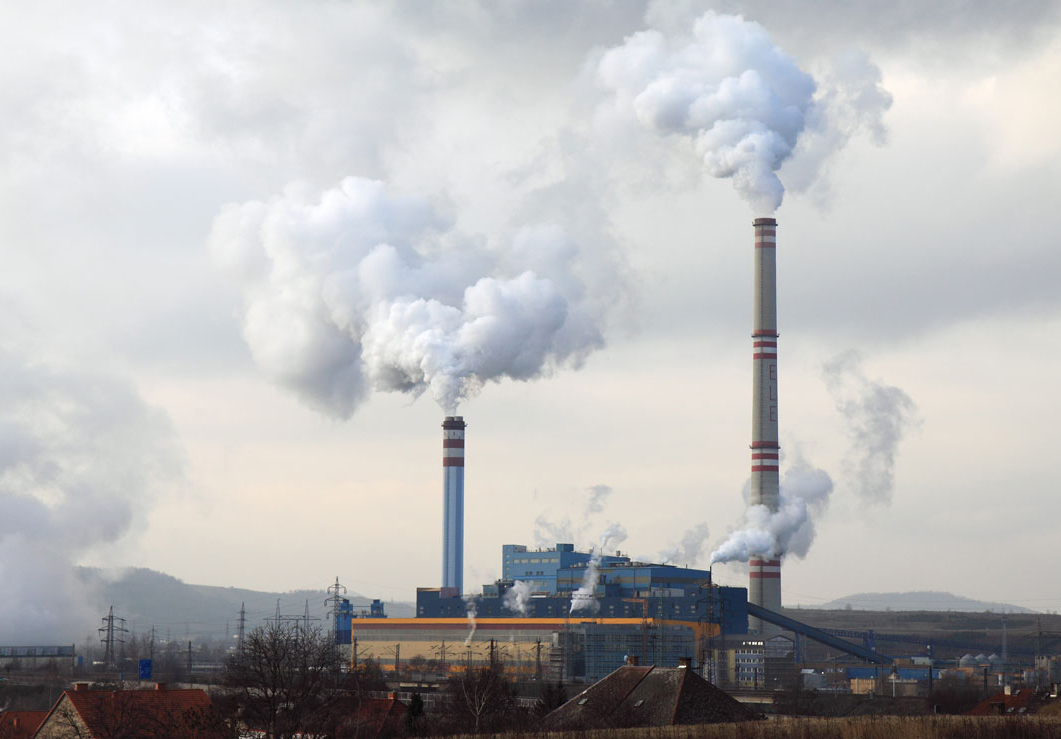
[(632, 660)]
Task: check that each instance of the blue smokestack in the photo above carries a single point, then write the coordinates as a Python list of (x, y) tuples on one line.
[(453, 503)]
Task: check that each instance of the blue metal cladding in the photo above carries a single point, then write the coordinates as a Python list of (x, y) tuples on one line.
[(453, 528), (343, 622)]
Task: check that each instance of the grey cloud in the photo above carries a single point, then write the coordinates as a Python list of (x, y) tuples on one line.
[(84, 458)]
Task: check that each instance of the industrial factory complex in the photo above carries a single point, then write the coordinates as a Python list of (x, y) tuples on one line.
[(561, 614)]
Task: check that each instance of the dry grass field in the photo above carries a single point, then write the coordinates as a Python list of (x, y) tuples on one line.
[(886, 727)]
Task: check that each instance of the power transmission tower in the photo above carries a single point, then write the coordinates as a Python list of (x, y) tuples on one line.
[(335, 602), (112, 634), (396, 650), (242, 625)]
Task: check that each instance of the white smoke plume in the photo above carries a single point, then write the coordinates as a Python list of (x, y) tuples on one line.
[(742, 101), (582, 599), (878, 415), (517, 598), (548, 533), (688, 550), (598, 496), (471, 603), (357, 288), (787, 531), (82, 458)]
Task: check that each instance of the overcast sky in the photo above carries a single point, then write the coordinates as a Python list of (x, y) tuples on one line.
[(174, 401)]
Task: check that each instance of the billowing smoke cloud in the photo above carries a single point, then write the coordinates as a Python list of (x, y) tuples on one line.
[(877, 415), (517, 598), (741, 99), (790, 530), (358, 289), (82, 458), (582, 599), (688, 550)]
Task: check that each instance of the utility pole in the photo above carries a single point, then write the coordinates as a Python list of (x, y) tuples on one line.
[(396, 650), (1005, 676), (538, 658), (242, 626), (151, 649), (189, 661)]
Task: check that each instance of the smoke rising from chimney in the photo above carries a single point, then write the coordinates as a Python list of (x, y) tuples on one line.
[(878, 416), (517, 598), (82, 459), (357, 288), (582, 599), (471, 605), (790, 530), (742, 101)]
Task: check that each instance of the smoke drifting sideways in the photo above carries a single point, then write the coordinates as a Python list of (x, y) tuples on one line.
[(878, 416), (743, 102), (789, 530), (687, 551), (582, 599), (82, 459), (358, 288)]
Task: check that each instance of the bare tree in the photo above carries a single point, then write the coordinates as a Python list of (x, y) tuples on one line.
[(285, 682), (482, 699)]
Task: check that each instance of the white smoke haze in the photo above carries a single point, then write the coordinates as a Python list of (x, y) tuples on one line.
[(688, 550), (82, 459), (471, 604), (517, 598), (582, 599), (548, 533), (878, 416), (358, 288), (789, 530), (598, 496), (741, 100)]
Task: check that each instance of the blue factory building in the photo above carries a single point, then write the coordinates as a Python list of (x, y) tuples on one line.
[(621, 588)]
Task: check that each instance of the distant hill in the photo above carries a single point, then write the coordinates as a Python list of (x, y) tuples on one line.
[(146, 598), (922, 600)]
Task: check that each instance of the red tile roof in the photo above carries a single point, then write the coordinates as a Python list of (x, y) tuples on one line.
[(1020, 702), (20, 724), (382, 717), (153, 713)]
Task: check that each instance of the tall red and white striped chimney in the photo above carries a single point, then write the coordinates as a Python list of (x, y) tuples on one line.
[(764, 582)]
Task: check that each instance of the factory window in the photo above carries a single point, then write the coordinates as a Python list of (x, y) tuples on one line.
[(773, 413), (773, 371)]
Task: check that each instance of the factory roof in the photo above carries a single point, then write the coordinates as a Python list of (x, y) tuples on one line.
[(634, 696)]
